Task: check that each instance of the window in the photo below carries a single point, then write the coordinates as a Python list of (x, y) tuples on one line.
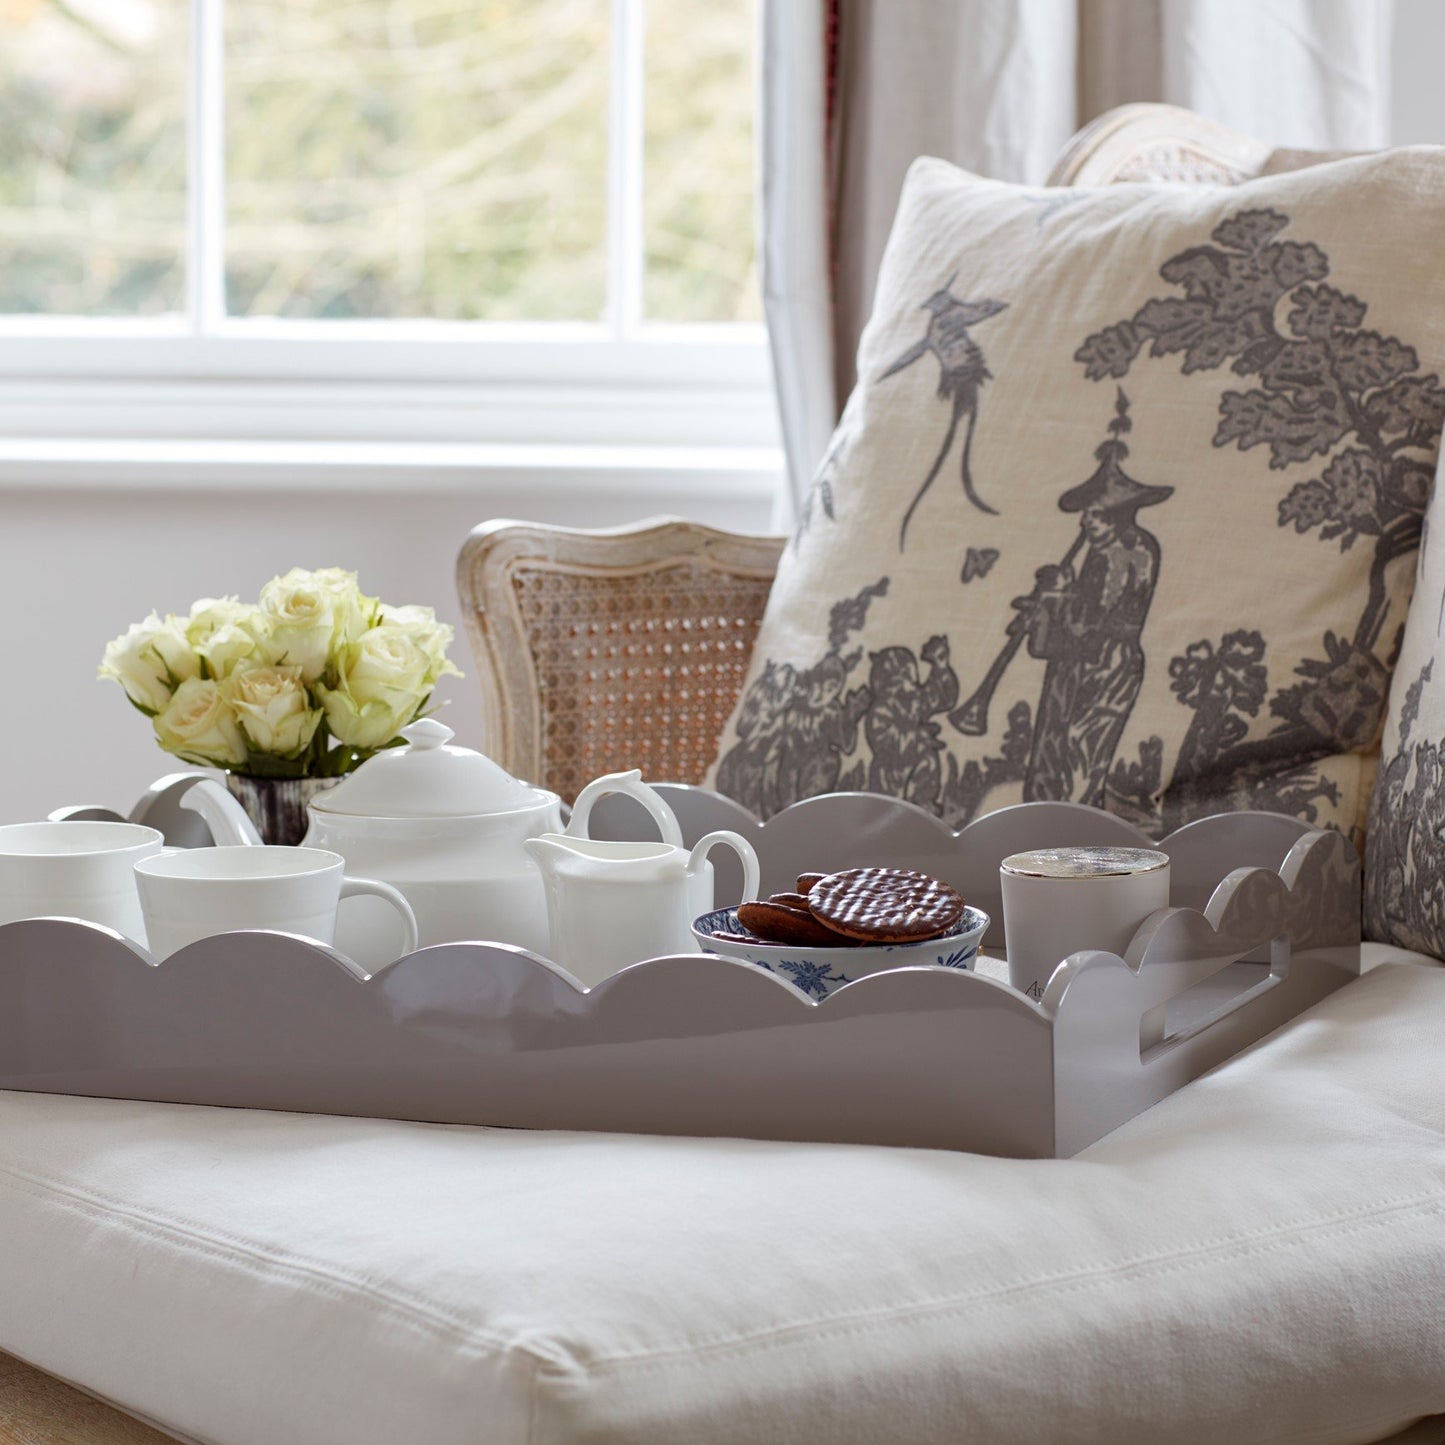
[(469, 192)]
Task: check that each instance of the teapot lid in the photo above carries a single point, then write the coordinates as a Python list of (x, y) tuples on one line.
[(428, 779)]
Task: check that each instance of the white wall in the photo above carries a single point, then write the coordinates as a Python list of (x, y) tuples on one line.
[(77, 566)]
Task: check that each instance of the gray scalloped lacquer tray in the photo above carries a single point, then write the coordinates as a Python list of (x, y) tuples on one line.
[(478, 1033)]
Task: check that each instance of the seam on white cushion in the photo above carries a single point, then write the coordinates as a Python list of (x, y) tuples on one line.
[(236, 1250), (834, 1326)]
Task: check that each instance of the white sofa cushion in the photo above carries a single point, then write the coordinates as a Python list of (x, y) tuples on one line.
[(1261, 1257)]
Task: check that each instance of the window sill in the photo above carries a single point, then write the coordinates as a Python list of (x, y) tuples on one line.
[(437, 468), (375, 414), (611, 412)]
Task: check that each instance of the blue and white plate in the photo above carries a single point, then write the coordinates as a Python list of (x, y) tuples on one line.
[(819, 970)]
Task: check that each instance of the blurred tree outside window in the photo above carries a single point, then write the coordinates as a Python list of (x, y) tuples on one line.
[(444, 160), (698, 167), (93, 156)]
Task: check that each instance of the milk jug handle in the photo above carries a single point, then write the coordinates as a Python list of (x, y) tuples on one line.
[(751, 872), (630, 783)]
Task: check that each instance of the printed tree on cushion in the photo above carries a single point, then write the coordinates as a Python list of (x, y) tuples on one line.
[(1223, 685), (1325, 387)]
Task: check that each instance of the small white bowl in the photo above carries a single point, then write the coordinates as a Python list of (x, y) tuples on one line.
[(819, 970)]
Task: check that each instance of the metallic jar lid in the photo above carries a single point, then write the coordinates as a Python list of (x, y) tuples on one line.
[(1084, 862)]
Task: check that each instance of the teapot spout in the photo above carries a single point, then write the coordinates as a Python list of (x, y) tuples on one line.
[(222, 814)]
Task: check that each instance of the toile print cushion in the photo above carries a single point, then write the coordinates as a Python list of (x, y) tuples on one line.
[(1125, 505), (1405, 860)]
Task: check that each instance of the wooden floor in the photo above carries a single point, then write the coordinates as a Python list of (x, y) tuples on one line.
[(36, 1409)]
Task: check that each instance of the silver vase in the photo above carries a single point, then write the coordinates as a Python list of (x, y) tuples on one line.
[(277, 806)]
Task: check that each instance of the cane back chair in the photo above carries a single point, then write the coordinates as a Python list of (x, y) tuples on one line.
[(598, 650)]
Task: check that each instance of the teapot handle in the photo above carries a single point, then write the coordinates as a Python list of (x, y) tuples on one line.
[(228, 821), (630, 783)]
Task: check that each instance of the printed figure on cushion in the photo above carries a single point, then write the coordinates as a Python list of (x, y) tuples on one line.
[(1085, 621), (961, 375)]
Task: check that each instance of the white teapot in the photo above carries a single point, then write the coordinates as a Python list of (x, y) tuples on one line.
[(613, 904), (444, 825)]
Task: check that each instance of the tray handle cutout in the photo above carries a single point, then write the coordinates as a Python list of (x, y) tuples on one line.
[(1206, 1003)]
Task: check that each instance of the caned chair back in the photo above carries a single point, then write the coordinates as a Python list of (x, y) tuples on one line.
[(610, 649)]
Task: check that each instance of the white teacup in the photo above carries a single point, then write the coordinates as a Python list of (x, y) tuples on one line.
[(192, 893), (75, 870)]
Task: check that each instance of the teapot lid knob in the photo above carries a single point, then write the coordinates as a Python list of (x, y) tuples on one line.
[(427, 733), (428, 779)]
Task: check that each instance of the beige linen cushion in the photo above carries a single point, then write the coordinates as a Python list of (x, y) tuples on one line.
[(1124, 508), (1405, 861)]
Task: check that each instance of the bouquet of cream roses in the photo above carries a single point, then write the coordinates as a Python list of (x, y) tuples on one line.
[(263, 689)]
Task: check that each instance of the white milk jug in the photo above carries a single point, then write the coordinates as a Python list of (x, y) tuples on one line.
[(614, 904)]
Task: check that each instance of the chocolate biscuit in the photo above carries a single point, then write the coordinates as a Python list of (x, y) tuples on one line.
[(885, 905), (777, 923), (791, 900)]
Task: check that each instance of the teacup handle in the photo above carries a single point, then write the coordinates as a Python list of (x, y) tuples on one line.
[(352, 887), (630, 783), (752, 874)]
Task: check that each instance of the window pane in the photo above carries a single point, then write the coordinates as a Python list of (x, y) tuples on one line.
[(93, 156), (698, 182), (417, 158)]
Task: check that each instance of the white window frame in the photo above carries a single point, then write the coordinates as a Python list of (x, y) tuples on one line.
[(622, 383)]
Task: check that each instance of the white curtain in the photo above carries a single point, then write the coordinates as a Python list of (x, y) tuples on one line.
[(853, 90), (796, 277)]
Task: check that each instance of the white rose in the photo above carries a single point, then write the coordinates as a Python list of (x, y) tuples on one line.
[(383, 683), (150, 661), (198, 725), (222, 631), (433, 637), (296, 623), (355, 611), (272, 706)]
